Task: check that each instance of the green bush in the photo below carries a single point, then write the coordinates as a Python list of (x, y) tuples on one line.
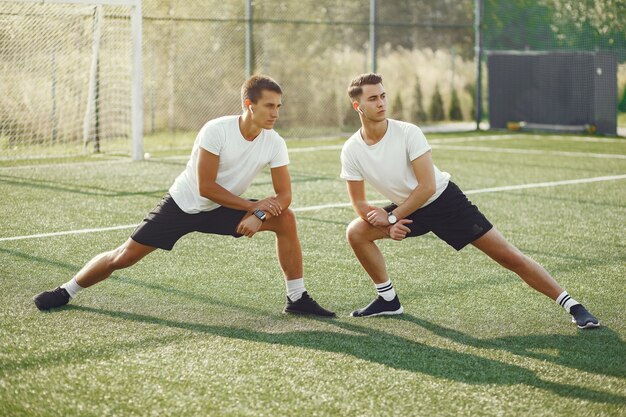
[(470, 88), (418, 114), (436, 110), (455, 112), (622, 103), (397, 109)]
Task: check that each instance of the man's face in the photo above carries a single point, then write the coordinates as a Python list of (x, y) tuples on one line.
[(373, 102), (265, 111)]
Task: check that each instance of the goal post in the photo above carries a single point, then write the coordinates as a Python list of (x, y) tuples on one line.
[(71, 78)]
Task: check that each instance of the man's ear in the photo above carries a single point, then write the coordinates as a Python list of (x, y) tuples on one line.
[(355, 105), (247, 103)]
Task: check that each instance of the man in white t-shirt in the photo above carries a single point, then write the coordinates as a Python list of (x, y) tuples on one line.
[(395, 158), (226, 156)]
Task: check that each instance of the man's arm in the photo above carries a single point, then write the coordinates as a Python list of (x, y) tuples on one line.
[(424, 171), (356, 190), (207, 187), (281, 180)]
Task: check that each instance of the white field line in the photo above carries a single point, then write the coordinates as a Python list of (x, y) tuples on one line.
[(68, 164), (337, 205), (529, 151), (578, 139), (473, 138), (68, 232), (336, 147)]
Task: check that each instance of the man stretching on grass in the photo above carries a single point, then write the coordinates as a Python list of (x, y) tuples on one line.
[(395, 158), (226, 156)]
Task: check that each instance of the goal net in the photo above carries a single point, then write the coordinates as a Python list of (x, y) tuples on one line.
[(66, 76)]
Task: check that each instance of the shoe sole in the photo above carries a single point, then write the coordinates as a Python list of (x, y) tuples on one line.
[(589, 325), (304, 313), (383, 313)]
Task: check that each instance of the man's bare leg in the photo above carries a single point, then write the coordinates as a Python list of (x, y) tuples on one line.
[(99, 268), (362, 236), (289, 255)]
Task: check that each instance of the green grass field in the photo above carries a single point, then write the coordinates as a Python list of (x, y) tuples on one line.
[(199, 331)]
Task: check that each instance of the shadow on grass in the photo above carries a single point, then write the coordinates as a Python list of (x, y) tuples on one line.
[(92, 190), (188, 295), (600, 351), (385, 349)]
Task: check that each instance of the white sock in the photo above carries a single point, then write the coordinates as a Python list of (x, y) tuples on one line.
[(386, 290), (295, 288), (566, 301), (72, 287)]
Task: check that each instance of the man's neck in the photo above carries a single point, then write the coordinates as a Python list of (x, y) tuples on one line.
[(248, 130), (373, 132)]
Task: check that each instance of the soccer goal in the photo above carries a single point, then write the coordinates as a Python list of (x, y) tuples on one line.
[(70, 77)]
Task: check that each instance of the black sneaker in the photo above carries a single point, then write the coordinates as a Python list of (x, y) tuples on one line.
[(583, 318), (380, 307), (50, 299), (306, 305)]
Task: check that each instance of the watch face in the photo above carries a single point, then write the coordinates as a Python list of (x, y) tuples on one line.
[(392, 219)]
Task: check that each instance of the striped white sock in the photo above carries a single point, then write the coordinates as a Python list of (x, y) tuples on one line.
[(72, 287), (566, 301), (386, 290), (295, 288)]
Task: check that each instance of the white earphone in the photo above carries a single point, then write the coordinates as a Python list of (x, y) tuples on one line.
[(250, 108)]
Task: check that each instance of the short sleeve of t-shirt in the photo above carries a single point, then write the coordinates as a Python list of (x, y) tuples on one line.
[(281, 157), (416, 145), (212, 138), (349, 171)]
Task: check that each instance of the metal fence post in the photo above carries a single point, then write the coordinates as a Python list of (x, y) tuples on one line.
[(248, 38), (478, 10), (373, 34)]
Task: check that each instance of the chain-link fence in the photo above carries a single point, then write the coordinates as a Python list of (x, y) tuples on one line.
[(196, 54), (65, 78)]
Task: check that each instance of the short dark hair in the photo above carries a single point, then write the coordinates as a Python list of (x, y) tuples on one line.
[(253, 88), (356, 85)]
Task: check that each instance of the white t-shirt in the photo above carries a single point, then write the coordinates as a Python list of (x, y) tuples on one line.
[(240, 161), (386, 165)]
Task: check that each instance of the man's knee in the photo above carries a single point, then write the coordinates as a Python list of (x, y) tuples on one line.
[(123, 257), (286, 221), (356, 230)]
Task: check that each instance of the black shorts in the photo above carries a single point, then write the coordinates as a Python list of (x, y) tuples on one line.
[(167, 223), (452, 217)]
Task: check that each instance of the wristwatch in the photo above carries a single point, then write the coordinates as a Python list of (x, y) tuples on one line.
[(391, 218), (260, 214)]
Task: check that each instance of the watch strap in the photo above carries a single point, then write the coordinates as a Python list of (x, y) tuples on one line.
[(260, 214)]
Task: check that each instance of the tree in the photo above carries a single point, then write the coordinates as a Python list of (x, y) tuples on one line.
[(455, 112), (436, 110), (397, 110), (622, 103), (585, 25), (418, 114), (470, 88)]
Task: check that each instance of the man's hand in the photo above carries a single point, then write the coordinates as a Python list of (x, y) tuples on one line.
[(269, 205), (378, 217), (399, 230), (249, 226)]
